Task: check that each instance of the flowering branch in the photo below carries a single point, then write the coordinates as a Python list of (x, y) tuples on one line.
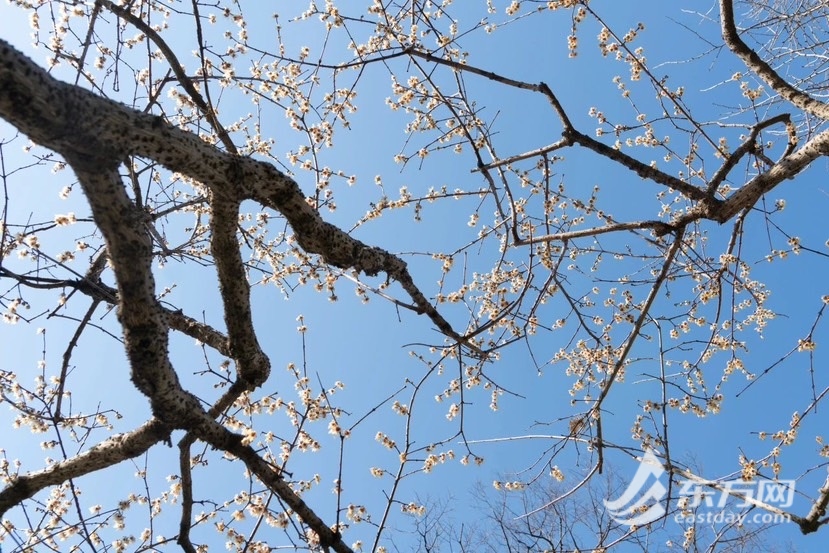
[(763, 70)]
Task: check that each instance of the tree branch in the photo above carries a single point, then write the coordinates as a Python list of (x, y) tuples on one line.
[(106, 454), (763, 70), (750, 145), (571, 135), (185, 81), (252, 364), (76, 123), (786, 168), (659, 227)]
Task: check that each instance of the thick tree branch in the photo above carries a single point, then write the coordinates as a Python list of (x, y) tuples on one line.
[(142, 319), (76, 123), (762, 69), (106, 454), (788, 167), (93, 135), (252, 364), (145, 331)]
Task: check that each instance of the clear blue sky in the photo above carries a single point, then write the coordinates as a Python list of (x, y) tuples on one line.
[(367, 346)]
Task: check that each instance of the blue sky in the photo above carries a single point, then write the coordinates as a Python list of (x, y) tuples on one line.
[(367, 346)]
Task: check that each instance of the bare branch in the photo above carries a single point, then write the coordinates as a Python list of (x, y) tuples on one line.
[(572, 136), (659, 227), (563, 143)]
